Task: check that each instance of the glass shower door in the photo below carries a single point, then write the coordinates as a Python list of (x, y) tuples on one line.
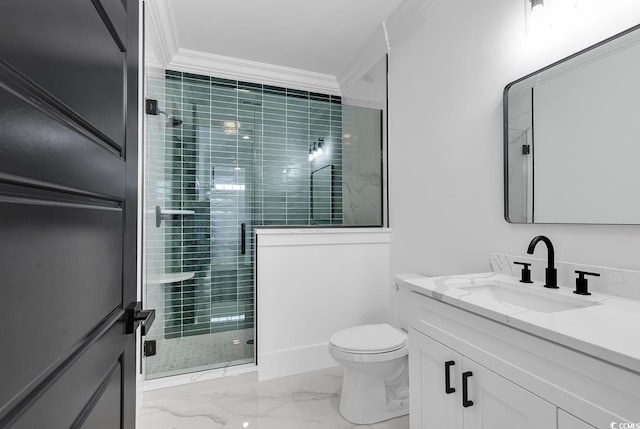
[(199, 270)]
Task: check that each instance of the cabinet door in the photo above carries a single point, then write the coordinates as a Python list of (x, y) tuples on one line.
[(431, 407), (501, 404), (567, 421)]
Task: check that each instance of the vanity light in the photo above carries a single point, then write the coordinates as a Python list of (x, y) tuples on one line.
[(315, 149), (311, 152)]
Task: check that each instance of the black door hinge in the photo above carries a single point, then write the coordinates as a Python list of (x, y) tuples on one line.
[(526, 149), (150, 348), (151, 106)]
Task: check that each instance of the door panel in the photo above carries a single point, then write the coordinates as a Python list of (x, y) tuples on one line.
[(102, 415), (567, 421), (66, 49), (45, 149), (68, 206), (116, 14), (431, 406), (65, 271), (71, 398), (501, 404)]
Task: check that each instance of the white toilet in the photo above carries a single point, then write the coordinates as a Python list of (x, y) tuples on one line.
[(375, 386)]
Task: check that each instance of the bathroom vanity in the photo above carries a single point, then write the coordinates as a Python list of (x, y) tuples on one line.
[(489, 352)]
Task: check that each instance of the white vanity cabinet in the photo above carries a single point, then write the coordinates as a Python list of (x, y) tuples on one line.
[(460, 393), (518, 380), (567, 421)]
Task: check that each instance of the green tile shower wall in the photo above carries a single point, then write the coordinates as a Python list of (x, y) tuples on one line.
[(227, 179)]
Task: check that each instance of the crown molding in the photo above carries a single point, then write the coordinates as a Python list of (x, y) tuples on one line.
[(163, 32), (190, 61), (370, 53)]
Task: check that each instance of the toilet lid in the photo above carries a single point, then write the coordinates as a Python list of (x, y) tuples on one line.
[(369, 339)]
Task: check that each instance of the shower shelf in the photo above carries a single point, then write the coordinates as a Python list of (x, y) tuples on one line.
[(169, 278), (170, 214)]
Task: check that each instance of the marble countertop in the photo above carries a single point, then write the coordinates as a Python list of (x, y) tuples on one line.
[(608, 328)]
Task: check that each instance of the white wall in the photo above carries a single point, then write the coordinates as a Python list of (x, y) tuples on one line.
[(447, 73), (312, 283)]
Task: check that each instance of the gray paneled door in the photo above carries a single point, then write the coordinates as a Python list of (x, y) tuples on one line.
[(68, 192)]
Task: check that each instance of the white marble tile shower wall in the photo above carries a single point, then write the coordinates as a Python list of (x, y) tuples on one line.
[(612, 281), (304, 401), (362, 152)]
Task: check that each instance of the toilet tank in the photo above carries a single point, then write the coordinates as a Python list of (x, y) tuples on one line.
[(400, 299)]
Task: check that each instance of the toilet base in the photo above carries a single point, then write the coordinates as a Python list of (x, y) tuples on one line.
[(367, 398)]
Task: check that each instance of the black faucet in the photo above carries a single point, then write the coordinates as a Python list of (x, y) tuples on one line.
[(550, 273)]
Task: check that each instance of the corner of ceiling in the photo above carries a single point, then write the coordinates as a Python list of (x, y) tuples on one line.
[(379, 43), (164, 38), (406, 15), (171, 55), (374, 48)]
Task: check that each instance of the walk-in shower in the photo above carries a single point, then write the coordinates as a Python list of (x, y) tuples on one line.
[(221, 158)]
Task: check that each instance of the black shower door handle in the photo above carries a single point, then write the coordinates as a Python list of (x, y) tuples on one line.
[(447, 377), (243, 238)]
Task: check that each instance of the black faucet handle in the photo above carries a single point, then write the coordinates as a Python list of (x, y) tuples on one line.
[(586, 273), (525, 274), (582, 284)]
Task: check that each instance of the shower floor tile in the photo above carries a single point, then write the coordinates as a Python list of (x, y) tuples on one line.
[(200, 352), (303, 401)]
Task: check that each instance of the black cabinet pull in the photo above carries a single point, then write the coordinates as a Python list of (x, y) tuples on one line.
[(447, 377), (243, 238), (465, 393)]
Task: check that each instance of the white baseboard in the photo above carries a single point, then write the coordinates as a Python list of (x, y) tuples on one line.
[(294, 361)]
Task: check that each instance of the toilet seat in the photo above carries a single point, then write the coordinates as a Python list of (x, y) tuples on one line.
[(369, 343), (350, 356)]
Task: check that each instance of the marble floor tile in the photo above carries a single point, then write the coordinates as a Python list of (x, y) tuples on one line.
[(304, 401)]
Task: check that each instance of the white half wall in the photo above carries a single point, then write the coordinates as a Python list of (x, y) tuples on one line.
[(312, 283), (447, 72)]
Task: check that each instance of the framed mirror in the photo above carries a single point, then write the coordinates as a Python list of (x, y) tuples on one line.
[(572, 138)]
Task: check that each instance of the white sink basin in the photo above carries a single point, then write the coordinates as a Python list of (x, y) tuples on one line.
[(542, 301)]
